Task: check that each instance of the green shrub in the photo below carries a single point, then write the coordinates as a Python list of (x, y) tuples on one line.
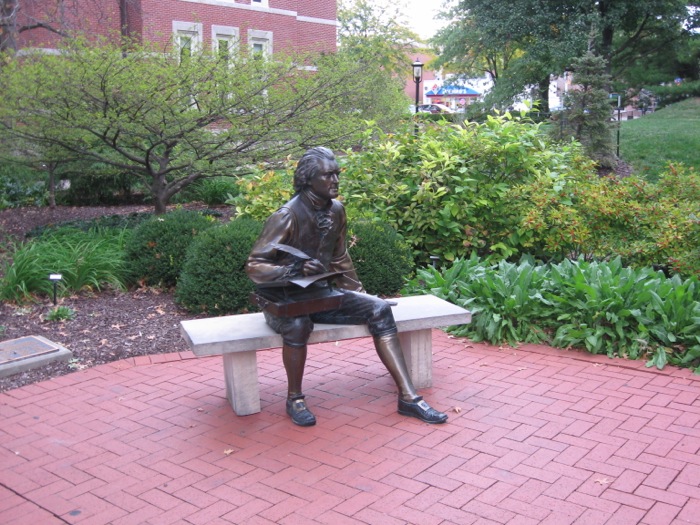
[(601, 218), (21, 186), (382, 258), (263, 193), (96, 185), (437, 117), (674, 93), (156, 250), (447, 190), (213, 278)]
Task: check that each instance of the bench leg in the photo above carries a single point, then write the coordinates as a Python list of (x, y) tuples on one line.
[(241, 377), (417, 349)]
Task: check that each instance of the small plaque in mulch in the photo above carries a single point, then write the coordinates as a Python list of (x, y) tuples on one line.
[(17, 355)]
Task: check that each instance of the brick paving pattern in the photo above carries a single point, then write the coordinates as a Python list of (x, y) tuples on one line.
[(535, 436)]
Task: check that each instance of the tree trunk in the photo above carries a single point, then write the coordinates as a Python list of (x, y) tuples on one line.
[(607, 34), (159, 193), (52, 185), (543, 94), (161, 204), (8, 24)]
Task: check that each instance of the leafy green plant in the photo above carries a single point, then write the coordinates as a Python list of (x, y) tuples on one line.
[(213, 278), (156, 250), (60, 313), (447, 191), (216, 190), (262, 193), (92, 260), (118, 222), (596, 306), (21, 186), (604, 307), (671, 318), (646, 224), (24, 275), (97, 184), (381, 257), (505, 299)]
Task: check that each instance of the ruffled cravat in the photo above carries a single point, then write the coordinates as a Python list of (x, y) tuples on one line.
[(322, 212)]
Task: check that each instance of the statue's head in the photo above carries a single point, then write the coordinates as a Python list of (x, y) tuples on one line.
[(314, 161)]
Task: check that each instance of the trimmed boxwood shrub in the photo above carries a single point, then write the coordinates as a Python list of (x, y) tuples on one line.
[(382, 258), (156, 250), (213, 278)]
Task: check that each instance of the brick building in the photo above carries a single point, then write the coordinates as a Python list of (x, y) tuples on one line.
[(266, 26)]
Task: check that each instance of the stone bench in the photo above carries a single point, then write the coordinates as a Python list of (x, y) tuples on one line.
[(239, 337)]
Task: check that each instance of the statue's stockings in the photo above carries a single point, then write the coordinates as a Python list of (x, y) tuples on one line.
[(389, 352)]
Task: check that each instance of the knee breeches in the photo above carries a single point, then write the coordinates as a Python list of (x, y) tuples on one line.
[(356, 308)]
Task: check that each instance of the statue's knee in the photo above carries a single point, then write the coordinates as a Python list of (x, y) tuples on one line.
[(297, 330), (382, 321), (384, 310)]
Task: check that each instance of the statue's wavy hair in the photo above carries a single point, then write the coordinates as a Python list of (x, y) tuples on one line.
[(308, 164)]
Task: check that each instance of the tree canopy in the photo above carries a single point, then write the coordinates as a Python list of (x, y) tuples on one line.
[(521, 42), (376, 34), (172, 120), (58, 18)]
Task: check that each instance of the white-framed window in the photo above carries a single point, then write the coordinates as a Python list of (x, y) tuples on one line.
[(260, 42), (187, 38), (224, 41), (259, 3)]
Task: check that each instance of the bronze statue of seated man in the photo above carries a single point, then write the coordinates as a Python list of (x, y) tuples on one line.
[(305, 238)]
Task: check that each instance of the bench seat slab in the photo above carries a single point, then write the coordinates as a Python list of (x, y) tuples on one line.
[(239, 337)]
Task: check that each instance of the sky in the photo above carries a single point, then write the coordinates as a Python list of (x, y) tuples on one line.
[(419, 15)]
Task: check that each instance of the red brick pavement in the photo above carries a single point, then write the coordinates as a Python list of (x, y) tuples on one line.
[(535, 436)]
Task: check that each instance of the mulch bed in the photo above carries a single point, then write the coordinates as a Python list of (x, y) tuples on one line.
[(108, 325)]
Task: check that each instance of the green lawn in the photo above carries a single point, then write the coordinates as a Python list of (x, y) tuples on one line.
[(671, 134)]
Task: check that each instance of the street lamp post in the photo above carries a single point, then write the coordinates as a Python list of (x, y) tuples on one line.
[(417, 76)]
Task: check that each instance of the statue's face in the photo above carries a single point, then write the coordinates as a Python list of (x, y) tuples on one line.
[(325, 182)]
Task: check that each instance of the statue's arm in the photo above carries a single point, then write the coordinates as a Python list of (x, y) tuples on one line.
[(265, 263)]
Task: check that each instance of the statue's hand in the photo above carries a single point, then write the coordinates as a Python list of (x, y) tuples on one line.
[(312, 267)]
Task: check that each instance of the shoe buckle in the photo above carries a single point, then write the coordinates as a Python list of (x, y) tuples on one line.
[(425, 406)]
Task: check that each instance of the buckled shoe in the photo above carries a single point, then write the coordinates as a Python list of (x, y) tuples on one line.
[(300, 414), (421, 410)]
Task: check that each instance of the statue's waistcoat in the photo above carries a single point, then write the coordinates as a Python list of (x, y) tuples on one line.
[(315, 232)]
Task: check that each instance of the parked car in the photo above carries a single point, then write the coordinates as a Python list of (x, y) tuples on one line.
[(434, 108)]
